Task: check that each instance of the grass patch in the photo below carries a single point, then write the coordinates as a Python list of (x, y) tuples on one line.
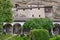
[(20, 38), (3, 36)]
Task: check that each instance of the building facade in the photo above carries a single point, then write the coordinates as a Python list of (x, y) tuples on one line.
[(26, 11)]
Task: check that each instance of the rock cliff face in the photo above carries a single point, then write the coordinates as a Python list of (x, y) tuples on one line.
[(35, 0), (46, 2)]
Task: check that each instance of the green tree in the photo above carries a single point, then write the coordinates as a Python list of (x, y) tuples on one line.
[(39, 23), (5, 12)]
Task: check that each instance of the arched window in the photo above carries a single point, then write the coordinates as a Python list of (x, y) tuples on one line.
[(7, 28), (17, 28), (56, 29)]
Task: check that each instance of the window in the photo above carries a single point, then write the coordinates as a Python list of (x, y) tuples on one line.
[(48, 9), (16, 5), (32, 15), (23, 9), (39, 15), (30, 8), (38, 8)]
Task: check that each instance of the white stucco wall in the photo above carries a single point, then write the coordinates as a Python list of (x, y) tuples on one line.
[(36, 12)]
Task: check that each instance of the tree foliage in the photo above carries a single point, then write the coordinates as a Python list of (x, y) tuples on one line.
[(39, 34), (38, 23), (5, 11)]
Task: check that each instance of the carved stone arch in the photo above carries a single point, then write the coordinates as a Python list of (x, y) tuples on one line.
[(7, 28), (17, 28)]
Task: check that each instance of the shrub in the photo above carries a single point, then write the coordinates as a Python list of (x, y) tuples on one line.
[(55, 38), (3, 36), (20, 38), (39, 34), (22, 35)]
